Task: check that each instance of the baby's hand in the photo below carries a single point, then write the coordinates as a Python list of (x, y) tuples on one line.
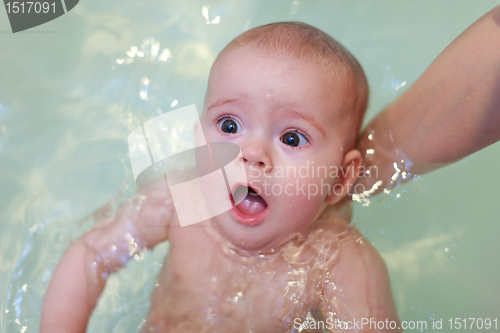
[(140, 223)]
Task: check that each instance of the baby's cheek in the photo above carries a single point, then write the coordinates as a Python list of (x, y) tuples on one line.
[(300, 198), (306, 190)]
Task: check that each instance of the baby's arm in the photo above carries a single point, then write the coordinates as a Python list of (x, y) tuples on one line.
[(359, 287), (80, 276), (451, 111)]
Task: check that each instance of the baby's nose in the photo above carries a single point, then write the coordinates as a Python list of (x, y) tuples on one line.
[(257, 154)]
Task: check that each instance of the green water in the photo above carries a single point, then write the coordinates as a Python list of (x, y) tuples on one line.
[(70, 95)]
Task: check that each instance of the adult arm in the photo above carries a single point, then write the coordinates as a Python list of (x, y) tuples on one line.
[(451, 111)]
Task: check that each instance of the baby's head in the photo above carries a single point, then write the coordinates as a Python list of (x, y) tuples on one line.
[(293, 99)]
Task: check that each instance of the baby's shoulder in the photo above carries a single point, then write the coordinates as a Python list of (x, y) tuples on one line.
[(357, 274), (333, 244)]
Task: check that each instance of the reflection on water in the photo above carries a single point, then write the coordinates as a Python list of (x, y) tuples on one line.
[(69, 99)]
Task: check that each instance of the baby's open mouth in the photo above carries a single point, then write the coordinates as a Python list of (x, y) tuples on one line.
[(249, 203)]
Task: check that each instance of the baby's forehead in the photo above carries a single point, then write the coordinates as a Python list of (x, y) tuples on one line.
[(250, 60), (280, 73), (278, 92), (294, 55)]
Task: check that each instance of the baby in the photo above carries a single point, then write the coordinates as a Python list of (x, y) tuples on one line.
[(289, 96)]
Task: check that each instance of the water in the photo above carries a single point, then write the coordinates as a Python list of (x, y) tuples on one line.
[(72, 90)]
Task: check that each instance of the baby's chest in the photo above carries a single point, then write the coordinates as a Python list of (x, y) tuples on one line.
[(212, 291)]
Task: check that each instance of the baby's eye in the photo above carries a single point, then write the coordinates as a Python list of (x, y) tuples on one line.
[(230, 126), (294, 139)]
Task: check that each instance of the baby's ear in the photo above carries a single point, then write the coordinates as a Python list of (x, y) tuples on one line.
[(347, 176)]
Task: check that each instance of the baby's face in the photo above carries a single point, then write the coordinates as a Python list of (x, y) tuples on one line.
[(283, 114)]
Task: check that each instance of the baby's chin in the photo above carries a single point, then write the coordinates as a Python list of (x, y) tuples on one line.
[(244, 237), (262, 238)]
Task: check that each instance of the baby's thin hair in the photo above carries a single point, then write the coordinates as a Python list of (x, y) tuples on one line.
[(305, 42)]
